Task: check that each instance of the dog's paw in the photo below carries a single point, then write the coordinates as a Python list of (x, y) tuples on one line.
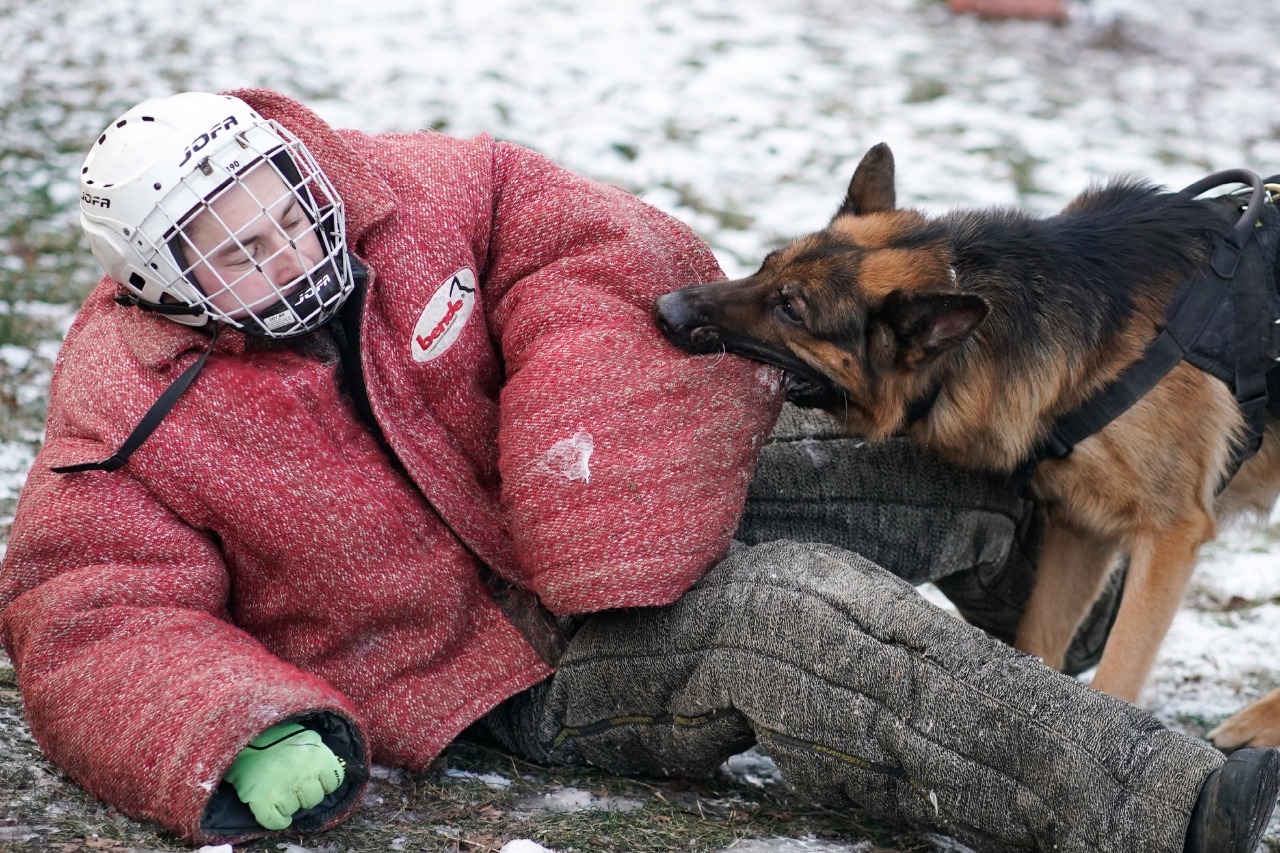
[(1256, 725)]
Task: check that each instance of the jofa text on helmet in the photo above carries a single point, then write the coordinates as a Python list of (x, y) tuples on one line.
[(208, 136), (314, 289), (95, 200)]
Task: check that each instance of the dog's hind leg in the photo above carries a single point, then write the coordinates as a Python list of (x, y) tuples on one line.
[(1160, 566), (1069, 577)]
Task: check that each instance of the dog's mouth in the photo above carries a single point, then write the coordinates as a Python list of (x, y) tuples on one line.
[(685, 319), (814, 392), (804, 385)]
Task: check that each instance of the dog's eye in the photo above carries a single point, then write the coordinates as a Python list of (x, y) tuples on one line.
[(788, 310)]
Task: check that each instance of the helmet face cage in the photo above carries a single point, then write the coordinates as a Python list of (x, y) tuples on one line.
[(264, 251)]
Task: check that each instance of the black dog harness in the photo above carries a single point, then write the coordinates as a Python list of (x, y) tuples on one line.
[(1225, 321)]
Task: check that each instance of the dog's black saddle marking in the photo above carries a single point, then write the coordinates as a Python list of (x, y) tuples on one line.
[(1223, 321)]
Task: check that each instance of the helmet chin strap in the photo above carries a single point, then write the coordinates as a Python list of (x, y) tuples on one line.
[(129, 300)]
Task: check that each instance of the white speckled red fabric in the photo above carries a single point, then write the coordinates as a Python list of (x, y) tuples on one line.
[(260, 557)]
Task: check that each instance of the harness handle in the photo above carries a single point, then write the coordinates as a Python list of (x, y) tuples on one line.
[(1228, 254)]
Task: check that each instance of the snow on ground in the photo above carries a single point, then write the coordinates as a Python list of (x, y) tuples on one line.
[(493, 780), (576, 800), (523, 845), (798, 845), (746, 119)]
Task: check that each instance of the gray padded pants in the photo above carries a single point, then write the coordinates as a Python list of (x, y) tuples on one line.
[(971, 534), (864, 694)]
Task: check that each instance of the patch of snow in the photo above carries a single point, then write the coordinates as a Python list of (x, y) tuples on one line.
[(571, 457), (15, 462), (577, 800), (392, 775), (815, 451), (949, 845), (524, 845), (797, 845), (493, 780), (15, 357), (770, 378), (936, 598), (752, 767), (20, 834)]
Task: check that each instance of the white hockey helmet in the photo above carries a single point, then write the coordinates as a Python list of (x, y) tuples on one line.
[(169, 161)]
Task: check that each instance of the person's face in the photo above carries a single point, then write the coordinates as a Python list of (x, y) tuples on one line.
[(252, 236)]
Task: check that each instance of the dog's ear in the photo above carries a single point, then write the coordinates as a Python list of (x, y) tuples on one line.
[(929, 324), (871, 190)]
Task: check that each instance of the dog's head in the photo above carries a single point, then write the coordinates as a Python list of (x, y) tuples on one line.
[(860, 315)]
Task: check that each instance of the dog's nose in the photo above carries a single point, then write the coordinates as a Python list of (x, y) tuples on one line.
[(673, 312)]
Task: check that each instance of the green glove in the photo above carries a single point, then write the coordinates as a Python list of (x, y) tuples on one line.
[(284, 769)]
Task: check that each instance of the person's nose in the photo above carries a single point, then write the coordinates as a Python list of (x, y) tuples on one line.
[(286, 264)]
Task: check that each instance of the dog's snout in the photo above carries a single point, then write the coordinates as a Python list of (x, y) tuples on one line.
[(675, 312), (681, 316)]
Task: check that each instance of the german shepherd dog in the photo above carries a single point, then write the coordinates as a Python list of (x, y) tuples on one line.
[(971, 333)]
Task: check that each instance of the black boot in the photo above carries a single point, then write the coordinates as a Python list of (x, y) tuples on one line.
[(1235, 803)]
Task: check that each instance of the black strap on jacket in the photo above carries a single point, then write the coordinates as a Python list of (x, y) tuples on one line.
[(1200, 298), (162, 406), (159, 409)]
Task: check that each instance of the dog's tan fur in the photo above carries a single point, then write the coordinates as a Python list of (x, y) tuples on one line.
[(1145, 486)]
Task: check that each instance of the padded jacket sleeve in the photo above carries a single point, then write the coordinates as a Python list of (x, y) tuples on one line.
[(625, 462), (135, 682)]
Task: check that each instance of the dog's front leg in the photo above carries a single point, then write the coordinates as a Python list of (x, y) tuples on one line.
[(1160, 566), (1257, 725), (1069, 576)]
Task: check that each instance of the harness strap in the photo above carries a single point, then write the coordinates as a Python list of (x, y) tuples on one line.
[(159, 409), (920, 408), (1203, 295), (1170, 346)]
